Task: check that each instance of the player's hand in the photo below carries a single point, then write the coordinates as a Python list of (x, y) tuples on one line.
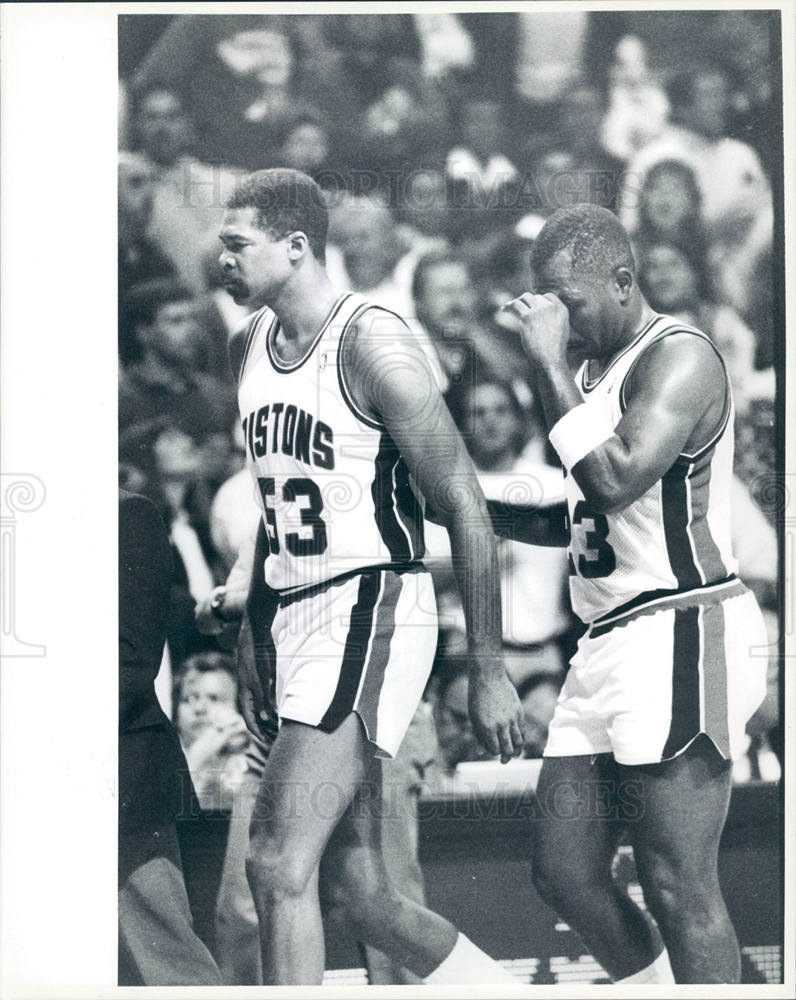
[(496, 714), (544, 321), (207, 621)]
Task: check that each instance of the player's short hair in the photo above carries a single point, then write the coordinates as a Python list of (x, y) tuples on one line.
[(593, 238), (286, 201), (428, 262)]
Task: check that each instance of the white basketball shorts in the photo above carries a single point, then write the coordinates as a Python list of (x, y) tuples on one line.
[(364, 644), (645, 688)]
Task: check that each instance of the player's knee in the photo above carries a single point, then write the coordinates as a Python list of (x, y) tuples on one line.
[(276, 875), (674, 893), (359, 889)]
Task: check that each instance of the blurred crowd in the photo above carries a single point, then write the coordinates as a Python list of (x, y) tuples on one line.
[(442, 141)]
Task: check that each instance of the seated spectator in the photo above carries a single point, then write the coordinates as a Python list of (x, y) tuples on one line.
[(675, 282), (423, 212), (481, 175), (217, 744), (305, 144), (637, 106), (239, 78), (166, 387), (533, 579), (597, 173), (140, 257), (736, 197), (670, 207), (362, 230), (188, 195), (460, 341), (225, 765), (455, 736), (538, 694)]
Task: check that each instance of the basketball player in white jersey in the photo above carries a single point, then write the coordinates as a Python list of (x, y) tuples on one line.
[(339, 407), (673, 662)]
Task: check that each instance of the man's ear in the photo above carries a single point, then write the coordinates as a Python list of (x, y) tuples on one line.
[(297, 245), (624, 280)]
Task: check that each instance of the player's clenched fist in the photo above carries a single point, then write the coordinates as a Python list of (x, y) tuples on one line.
[(496, 714), (545, 325)]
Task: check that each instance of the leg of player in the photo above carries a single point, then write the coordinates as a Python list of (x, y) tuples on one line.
[(412, 935), (309, 781), (676, 842), (582, 810)]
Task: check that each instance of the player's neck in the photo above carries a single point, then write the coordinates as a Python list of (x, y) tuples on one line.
[(625, 338), (303, 305)]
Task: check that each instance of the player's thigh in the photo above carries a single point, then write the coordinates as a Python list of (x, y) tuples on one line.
[(684, 805), (581, 815), (309, 781)]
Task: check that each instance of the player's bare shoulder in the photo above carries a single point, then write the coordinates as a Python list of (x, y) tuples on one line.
[(686, 369)]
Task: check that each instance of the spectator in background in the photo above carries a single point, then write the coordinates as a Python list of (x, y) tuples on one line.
[(670, 208), (460, 340), (538, 694), (597, 174), (423, 212), (676, 282), (240, 78), (305, 144), (736, 197), (226, 764), (165, 387), (140, 258), (508, 453), (455, 734), (637, 106), (188, 195), (362, 230), (482, 178)]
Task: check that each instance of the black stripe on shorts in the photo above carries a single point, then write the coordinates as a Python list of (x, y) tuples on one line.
[(355, 653), (685, 722)]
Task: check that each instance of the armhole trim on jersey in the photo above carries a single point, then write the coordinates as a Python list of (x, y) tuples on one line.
[(725, 415), (589, 386), (341, 378), (251, 336), (288, 369)]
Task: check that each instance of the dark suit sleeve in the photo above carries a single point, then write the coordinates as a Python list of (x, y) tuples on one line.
[(145, 570)]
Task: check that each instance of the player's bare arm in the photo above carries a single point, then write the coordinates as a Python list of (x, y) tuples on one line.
[(677, 389), (391, 379), (545, 526)]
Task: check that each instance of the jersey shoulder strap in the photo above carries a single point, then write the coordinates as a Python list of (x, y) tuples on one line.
[(253, 335), (670, 327)]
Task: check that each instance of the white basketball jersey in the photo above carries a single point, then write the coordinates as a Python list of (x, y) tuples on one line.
[(334, 491), (676, 536)]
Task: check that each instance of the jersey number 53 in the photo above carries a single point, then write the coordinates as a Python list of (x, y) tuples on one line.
[(306, 494)]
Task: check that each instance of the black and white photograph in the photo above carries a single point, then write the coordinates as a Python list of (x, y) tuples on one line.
[(418, 372)]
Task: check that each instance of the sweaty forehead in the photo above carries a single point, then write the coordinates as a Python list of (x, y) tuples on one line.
[(239, 222), (556, 274)]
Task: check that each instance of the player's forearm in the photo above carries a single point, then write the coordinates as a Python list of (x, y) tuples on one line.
[(545, 526), (605, 474), (475, 565)]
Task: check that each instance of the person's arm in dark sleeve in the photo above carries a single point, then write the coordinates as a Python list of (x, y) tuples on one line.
[(145, 570)]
